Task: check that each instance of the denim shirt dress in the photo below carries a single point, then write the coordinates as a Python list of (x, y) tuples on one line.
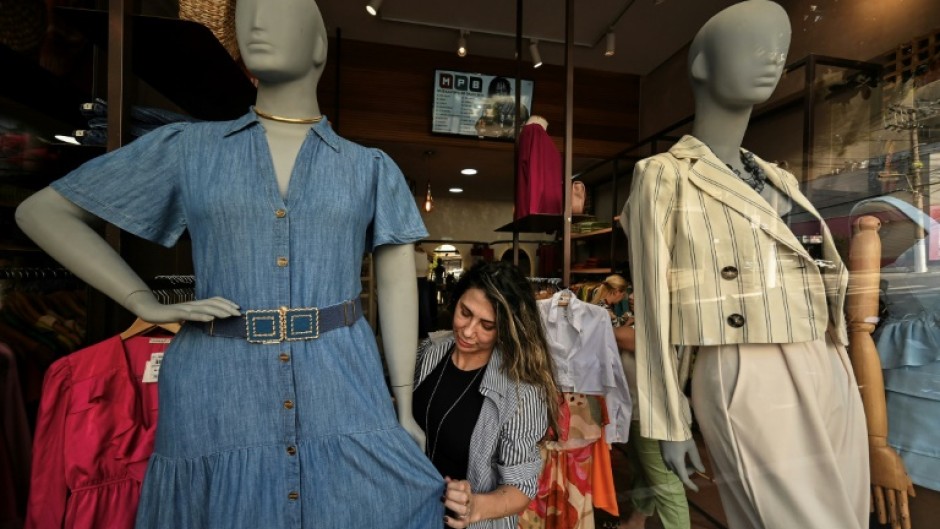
[(296, 434)]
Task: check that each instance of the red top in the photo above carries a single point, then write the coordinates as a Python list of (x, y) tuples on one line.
[(538, 186), (94, 436)]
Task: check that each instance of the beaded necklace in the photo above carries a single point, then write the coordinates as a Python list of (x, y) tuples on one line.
[(755, 175)]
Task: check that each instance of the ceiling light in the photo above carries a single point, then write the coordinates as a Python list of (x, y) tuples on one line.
[(373, 7), (462, 43), (468, 171), (456, 190), (67, 139), (534, 52), (428, 199), (611, 43)]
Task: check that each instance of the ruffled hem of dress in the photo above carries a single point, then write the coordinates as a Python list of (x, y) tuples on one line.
[(373, 479), (913, 341)]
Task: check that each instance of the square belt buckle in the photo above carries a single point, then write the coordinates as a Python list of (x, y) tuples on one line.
[(275, 326), (301, 324)]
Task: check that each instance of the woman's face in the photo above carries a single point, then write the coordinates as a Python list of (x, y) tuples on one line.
[(474, 323), (615, 296)]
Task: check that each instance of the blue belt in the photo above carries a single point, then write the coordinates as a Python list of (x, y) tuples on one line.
[(285, 324)]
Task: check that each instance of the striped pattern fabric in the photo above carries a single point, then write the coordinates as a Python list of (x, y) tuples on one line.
[(504, 444), (713, 263)]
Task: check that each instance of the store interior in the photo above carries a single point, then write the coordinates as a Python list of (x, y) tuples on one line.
[(856, 118)]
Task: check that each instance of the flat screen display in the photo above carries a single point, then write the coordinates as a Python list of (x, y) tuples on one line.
[(478, 105)]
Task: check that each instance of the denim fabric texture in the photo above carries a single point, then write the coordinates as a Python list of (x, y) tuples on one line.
[(297, 434)]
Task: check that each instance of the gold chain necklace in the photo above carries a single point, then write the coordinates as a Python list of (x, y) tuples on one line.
[(427, 412), (300, 121)]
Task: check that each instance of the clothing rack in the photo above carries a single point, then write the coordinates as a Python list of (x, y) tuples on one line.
[(171, 289), (544, 287), (556, 281), (38, 279), (34, 273)]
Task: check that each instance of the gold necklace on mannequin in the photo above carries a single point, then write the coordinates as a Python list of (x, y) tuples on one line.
[(299, 121)]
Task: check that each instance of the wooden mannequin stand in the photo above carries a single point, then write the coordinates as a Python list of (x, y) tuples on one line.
[(891, 485)]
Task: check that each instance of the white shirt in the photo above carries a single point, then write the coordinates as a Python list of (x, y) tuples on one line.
[(581, 340)]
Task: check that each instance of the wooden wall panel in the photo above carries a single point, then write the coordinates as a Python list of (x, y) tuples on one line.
[(385, 94)]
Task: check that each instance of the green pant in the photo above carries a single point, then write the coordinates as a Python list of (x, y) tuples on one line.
[(655, 489)]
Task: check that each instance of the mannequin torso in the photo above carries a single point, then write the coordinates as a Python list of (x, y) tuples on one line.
[(284, 142), (735, 62), (240, 224)]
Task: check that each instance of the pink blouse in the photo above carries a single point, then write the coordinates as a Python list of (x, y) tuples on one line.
[(94, 436)]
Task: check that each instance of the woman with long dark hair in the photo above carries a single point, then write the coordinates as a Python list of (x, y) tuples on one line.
[(485, 396)]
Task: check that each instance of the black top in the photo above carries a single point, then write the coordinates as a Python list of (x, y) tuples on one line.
[(459, 392)]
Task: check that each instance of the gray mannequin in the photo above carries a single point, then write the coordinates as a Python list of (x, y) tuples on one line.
[(773, 389), (286, 49)]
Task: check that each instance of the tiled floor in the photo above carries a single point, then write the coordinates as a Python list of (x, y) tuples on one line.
[(704, 506)]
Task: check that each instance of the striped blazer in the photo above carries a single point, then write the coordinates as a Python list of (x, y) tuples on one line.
[(713, 263), (504, 444)]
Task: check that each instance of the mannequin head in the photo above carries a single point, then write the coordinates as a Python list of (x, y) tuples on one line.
[(283, 43), (539, 120), (736, 59)]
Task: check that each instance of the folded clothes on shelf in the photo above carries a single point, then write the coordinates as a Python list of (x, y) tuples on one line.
[(143, 120)]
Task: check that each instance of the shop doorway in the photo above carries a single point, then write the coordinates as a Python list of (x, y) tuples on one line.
[(525, 265)]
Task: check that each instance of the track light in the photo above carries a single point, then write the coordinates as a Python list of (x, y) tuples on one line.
[(611, 44), (373, 7), (534, 52), (462, 43)]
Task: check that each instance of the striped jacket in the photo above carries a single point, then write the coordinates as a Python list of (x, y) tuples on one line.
[(504, 444), (713, 263)]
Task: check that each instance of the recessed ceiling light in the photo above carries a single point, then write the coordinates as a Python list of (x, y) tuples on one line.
[(456, 190), (468, 171)]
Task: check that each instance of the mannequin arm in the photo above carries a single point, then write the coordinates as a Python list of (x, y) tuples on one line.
[(674, 453), (68, 234), (397, 294), (891, 485)]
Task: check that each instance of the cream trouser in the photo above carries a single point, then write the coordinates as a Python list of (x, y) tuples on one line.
[(786, 433)]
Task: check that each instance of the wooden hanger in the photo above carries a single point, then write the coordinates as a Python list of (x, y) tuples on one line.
[(141, 326)]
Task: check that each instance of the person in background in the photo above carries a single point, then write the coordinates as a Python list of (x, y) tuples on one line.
[(609, 294), (653, 488), (439, 272), (485, 396), (425, 294)]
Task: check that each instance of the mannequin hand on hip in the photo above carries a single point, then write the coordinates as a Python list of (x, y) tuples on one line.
[(674, 453), (146, 307), (891, 487)]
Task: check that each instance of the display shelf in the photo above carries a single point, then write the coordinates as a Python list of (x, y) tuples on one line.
[(594, 233), (181, 59), (539, 223), (607, 270), (367, 294)]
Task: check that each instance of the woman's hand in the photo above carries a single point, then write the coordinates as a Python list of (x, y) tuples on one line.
[(458, 497)]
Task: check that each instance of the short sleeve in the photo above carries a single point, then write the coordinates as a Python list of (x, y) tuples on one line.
[(136, 187), (519, 462), (396, 219)]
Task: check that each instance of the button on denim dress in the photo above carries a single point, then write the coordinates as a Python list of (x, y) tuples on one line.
[(297, 434)]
